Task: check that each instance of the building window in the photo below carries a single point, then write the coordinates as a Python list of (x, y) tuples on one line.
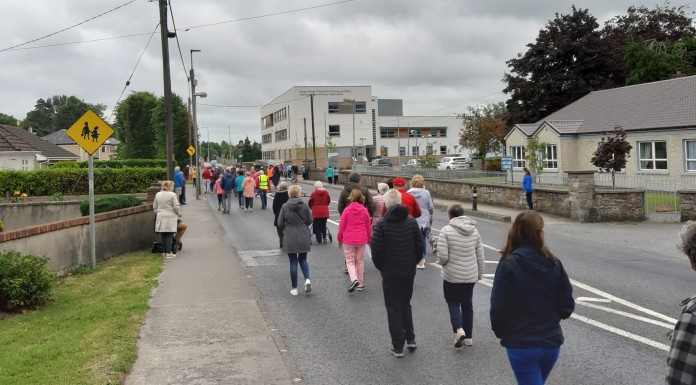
[(550, 157), (443, 132), (414, 150), (334, 130), (281, 135), (443, 149), (428, 149), (387, 133), (333, 107), (517, 153), (25, 164), (103, 148), (360, 107), (267, 121), (690, 154), (402, 151), (652, 155), (266, 138)]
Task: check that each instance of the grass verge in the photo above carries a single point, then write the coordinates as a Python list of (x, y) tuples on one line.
[(88, 334)]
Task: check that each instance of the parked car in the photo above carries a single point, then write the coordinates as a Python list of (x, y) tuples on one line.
[(381, 162), (454, 163), (412, 164)]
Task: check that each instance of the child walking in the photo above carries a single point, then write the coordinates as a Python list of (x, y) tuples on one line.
[(218, 191)]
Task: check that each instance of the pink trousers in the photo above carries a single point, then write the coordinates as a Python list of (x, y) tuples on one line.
[(355, 261)]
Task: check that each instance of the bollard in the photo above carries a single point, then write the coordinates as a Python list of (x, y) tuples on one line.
[(474, 198)]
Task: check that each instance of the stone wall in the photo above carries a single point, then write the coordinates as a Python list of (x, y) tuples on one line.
[(620, 205), (687, 205)]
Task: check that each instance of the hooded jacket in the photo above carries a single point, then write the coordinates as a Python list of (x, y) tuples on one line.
[(460, 251), (228, 182), (397, 244), (279, 199), (425, 203), (343, 200), (319, 202), (294, 220), (531, 295), (355, 227)]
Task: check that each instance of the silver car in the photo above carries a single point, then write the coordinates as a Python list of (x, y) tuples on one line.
[(454, 163)]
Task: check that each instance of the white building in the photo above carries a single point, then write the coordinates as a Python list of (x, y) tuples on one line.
[(354, 124)]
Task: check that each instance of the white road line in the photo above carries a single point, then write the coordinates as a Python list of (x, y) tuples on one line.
[(621, 332), (590, 299), (627, 314)]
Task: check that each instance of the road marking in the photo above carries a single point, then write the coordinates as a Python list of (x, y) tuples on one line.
[(627, 314), (589, 299), (621, 332)]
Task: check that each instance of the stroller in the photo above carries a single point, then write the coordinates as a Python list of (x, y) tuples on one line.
[(311, 234)]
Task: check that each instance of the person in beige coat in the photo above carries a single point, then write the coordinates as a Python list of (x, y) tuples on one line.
[(166, 207), (460, 253)]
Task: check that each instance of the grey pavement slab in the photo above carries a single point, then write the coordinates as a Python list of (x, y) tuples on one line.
[(206, 324)]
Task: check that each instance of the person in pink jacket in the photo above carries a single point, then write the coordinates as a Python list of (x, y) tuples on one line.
[(248, 185), (354, 232)]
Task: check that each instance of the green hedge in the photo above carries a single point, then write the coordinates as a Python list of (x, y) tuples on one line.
[(127, 163), (26, 281), (493, 164), (106, 203), (75, 181)]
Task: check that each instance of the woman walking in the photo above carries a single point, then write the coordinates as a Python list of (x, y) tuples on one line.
[(218, 191), (355, 231), (240, 190), (531, 295), (279, 199), (319, 202), (166, 208), (248, 186), (425, 202), (527, 187), (379, 202), (329, 174), (294, 220), (460, 253)]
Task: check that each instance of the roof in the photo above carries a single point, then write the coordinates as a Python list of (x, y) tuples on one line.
[(657, 105), (18, 139), (61, 138)]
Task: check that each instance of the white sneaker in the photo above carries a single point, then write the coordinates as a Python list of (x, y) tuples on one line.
[(170, 255), (307, 286), (459, 339), (293, 292), (468, 341)]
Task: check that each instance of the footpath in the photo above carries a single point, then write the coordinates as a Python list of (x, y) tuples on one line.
[(207, 324)]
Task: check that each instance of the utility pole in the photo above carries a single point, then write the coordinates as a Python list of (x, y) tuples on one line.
[(169, 124), (314, 143), (195, 128), (305, 141), (190, 125)]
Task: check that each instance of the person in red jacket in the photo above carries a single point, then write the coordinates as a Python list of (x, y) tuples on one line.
[(406, 199), (207, 176), (319, 203)]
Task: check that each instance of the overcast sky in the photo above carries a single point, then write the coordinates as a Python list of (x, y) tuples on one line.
[(437, 55)]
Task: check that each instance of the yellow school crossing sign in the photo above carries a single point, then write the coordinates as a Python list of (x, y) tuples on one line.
[(90, 132), (191, 150)]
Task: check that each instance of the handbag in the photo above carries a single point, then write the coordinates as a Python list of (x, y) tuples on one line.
[(157, 247)]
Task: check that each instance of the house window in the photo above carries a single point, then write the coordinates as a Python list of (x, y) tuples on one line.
[(443, 149), (333, 107), (280, 136), (690, 154), (414, 151), (335, 130), (652, 155), (360, 107), (402, 151), (25, 164), (443, 132), (550, 157), (387, 133), (266, 138), (517, 153)]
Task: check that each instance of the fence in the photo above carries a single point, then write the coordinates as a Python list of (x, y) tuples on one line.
[(660, 190)]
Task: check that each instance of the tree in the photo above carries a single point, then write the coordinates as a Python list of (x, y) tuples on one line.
[(650, 61), (567, 61), (612, 153), (535, 154), (133, 128), (8, 120), (180, 122), (58, 112), (484, 129)]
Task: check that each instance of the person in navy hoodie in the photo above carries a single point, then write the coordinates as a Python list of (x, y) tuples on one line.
[(531, 295), (527, 187)]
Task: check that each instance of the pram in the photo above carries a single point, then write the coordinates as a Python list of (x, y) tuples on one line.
[(311, 234)]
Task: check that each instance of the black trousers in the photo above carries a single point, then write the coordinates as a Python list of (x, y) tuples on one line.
[(530, 203), (397, 299), (319, 228)]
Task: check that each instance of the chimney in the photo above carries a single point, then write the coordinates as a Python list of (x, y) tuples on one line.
[(30, 129), (678, 74)]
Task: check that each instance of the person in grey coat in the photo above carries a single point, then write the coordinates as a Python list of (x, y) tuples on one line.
[(293, 220), (460, 253), (166, 207)]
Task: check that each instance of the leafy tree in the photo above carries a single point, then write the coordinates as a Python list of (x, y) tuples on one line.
[(612, 153), (484, 129), (567, 61), (180, 122), (58, 112), (8, 119), (251, 151), (535, 154), (652, 60), (132, 126)]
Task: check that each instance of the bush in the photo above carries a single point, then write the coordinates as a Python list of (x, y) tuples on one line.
[(106, 203), (493, 164), (26, 281)]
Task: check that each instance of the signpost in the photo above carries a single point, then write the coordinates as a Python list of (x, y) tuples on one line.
[(191, 150), (90, 132), (506, 165)]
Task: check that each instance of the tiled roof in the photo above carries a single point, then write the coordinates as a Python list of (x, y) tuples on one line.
[(18, 139), (61, 138), (528, 129), (664, 104), (565, 126)]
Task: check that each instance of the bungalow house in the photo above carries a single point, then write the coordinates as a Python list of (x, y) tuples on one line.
[(21, 149), (660, 123), (60, 138)]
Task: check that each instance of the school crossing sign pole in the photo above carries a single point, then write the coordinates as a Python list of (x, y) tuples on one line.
[(90, 132)]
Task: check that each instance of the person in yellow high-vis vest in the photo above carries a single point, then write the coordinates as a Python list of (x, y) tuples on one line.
[(262, 184)]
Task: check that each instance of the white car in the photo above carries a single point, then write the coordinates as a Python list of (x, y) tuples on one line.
[(454, 163), (411, 164)]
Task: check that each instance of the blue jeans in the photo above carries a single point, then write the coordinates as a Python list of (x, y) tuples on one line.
[(424, 233), (262, 194), (459, 302), (294, 259), (532, 366), (240, 195)]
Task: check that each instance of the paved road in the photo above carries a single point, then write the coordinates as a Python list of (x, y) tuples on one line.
[(628, 280)]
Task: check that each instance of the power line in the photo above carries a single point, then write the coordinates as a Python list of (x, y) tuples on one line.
[(67, 28), (252, 106), (133, 72), (183, 66), (267, 15)]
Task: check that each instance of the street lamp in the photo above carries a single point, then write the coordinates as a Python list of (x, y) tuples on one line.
[(192, 78)]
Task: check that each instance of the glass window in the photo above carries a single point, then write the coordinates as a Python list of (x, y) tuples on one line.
[(550, 157), (333, 107), (387, 133), (690, 154), (25, 165), (414, 150), (360, 107), (652, 155), (517, 153), (443, 149), (335, 130), (402, 151)]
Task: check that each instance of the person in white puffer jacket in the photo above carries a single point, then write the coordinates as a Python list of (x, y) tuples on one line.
[(460, 253)]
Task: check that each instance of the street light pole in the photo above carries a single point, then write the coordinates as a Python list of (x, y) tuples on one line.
[(195, 126)]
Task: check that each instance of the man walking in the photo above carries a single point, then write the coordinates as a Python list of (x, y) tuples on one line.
[(228, 184), (262, 185), (396, 249)]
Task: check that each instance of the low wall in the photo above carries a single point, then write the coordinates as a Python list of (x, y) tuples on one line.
[(687, 205), (620, 205), (19, 215), (66, 243)]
